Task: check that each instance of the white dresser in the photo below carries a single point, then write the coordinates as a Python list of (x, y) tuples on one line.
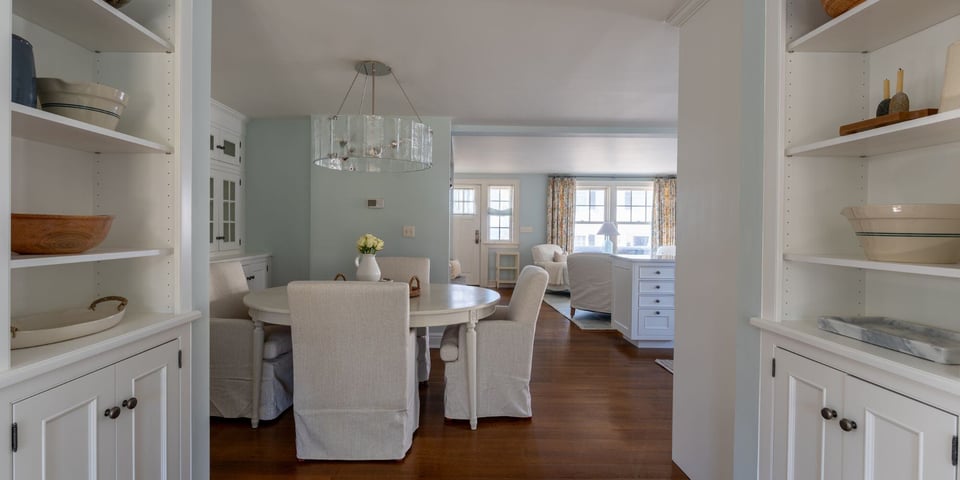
[(643, 305)]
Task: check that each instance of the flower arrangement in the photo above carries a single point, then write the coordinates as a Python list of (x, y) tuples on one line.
[(369, 244)]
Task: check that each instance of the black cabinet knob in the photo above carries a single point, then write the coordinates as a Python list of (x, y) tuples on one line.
[(251, 277), (657, 287), (658, 272), (656, 301), (848, 425), (130, 403), (828, 413), (112, 412)]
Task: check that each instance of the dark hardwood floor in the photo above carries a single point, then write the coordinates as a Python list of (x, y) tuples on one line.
[(601, 410)]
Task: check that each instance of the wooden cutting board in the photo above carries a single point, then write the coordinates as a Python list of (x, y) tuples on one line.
[(885, 120)]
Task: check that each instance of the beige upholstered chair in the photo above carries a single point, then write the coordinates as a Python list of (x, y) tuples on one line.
[(400, 269), (546, 256), (591, 282), (504, 355), (232, 392), (355, 394)]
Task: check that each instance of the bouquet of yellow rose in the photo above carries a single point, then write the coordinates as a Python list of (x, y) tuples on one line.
[(369, 244)]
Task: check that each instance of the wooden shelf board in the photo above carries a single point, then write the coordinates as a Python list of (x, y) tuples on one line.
[(96, 255), (875, 24), (934, 270), (923, 132), (46, 127), (92, 24)]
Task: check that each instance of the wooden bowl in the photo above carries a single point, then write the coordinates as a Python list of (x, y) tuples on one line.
[(36, 234), (836, 8)]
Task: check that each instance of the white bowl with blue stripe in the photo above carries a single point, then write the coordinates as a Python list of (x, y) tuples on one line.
[(93, 103), (908, 233)]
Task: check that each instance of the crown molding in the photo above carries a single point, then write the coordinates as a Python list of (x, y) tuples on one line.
[(684, 12)]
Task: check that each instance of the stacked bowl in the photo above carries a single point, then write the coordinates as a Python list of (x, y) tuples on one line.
[(909, 233), (88, 102)]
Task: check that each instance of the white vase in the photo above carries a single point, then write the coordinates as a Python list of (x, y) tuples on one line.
[(950, 98), (367, 268)]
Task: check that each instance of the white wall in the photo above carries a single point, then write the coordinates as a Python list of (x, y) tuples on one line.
[(719, 192)]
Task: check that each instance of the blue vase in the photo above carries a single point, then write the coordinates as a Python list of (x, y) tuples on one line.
[(24, 81)]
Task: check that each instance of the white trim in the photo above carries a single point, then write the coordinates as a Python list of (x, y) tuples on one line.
[(540, 131), (685, 11)]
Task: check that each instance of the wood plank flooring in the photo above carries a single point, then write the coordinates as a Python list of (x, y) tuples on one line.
[(601, 410)]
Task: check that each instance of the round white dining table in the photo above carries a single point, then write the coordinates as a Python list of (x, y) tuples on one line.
[(439, 304)]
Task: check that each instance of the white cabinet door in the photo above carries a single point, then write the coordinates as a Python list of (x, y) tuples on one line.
[(148, 392), (806, 445), (896, 438), (257, 275), (63, 434), (226, 146), (225, 227)]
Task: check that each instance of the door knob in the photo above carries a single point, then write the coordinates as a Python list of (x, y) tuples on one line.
[(112, 412), (476, 237), (848, 425), (828, 413), (130, 403)]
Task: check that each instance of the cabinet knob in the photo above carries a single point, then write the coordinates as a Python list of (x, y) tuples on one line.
[(219, 147), (828, 413), (847, 425), (658, 272), (112, 412), (656, 301), (130, 403), (220, 238), (251, 277), (657, 312), (657, 287)]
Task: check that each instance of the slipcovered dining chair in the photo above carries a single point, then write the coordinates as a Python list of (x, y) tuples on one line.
[(232, 391), (504, 355), (355, 392), (401, 269), (552, 259)]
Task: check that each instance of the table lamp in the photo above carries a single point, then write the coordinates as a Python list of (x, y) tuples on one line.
[(608, 229)]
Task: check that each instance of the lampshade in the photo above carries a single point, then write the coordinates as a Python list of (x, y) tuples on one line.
[(608, 228), (372, 143)]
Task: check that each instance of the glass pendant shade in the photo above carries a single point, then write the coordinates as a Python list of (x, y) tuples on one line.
[(372, 143)]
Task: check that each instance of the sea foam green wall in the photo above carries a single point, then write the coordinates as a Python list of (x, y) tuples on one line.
[(277, 188), (339, 213)]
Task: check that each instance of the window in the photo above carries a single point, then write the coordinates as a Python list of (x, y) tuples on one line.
[(500, 213), (627, 204), (464, 201)]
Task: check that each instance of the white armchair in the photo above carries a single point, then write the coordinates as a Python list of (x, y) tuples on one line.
[(551, 258), (591, 282), (504, 355), (233, 393), (401, 269), (355, 395)]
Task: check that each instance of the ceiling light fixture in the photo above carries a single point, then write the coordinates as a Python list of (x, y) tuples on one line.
[(372, 143)]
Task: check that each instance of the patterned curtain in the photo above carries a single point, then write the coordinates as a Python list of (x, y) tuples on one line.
[(664, 212), (561, 201)]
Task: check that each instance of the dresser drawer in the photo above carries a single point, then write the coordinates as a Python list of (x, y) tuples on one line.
[(656, 271), (655, 323), (656, 301), (654, 286)]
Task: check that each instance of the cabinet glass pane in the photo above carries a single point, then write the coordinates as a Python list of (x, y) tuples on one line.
[(229, 148), (211, 219), (229, 211)]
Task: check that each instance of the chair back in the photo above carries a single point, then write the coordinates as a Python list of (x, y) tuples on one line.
[(401, 269), (351, 341), (591, 281), (228, 285), (544, 252), (528, 294)]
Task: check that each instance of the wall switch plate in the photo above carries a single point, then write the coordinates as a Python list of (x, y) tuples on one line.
[(374, 203), (409, 231)]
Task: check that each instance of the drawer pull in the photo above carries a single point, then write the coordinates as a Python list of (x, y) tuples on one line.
[(657, 312), (657, 287), (656, 301), (658, 272)]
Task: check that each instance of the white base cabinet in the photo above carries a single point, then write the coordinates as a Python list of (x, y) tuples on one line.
[(643, 305), (255, 266), (829, 423)]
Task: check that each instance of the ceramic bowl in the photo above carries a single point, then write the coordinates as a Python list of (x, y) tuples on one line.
[(88, 102), (909, 233), (835, 8), (38, 234), (117, 3)]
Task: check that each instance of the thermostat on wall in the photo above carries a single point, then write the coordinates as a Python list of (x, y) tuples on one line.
[(374, 203)]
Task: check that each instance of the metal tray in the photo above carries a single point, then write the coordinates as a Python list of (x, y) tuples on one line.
[(931, 343)]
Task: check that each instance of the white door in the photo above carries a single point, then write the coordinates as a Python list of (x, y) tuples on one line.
[(148, 392), (466, 216), (807, 407), (895, 438), (63, 433)]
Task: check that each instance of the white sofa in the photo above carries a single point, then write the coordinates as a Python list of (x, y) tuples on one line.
[(591, 284)]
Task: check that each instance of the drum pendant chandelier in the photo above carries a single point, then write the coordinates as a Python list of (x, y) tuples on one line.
[(372, 143)]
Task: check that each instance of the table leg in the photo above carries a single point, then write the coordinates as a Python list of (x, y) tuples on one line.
[(472, 368), (257, 372)]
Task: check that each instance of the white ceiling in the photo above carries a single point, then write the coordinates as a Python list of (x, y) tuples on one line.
[(572, 65)]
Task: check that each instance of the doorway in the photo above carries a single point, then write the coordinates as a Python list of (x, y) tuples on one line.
[(465, 222)]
